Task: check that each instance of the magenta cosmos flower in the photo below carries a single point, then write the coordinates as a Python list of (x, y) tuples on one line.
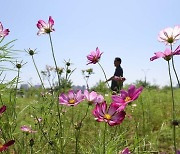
[(3, 33), (110, 115), (6, 145), (93, 98), (169, 35), (125, 151), (126, 97), (2, 109), (167, 54), (94, 56), (27, 129), (72, 98), (45, 28)]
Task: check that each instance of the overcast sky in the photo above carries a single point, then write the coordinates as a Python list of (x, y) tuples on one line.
[(120, 28)]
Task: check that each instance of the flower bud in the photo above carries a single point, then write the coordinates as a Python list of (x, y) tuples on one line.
[(68, 63), (18, 66), (31, 52), (31, 142), (68, 71)]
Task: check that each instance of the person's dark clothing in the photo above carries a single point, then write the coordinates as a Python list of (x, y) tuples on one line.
[(116, 86)]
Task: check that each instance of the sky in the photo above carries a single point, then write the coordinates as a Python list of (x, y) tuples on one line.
[(119, 28)]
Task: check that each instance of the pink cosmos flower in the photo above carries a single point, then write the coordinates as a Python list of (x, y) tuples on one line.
[(99, 99), (45, 28), (3, 33), (6, 145), (169, 35), (93, 97), (27, 129), (110, 115), (72, 98), (90, 97), (94, 56), (127, 97), (125, 151), (167, 54), (2, 109)]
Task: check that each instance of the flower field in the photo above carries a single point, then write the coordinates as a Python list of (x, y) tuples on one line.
[(59, 119)]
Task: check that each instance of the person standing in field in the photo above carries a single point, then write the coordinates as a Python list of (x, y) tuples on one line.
[(117, 79)]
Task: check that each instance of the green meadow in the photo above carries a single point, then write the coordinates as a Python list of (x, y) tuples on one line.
[(147, 127)]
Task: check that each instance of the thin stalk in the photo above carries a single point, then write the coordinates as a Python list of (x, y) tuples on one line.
[(52, 50), (15, 94), (77, 134), (104, 138), (104, 73), (37, 72), (173, 65), (44, 134), (77, 131), (59, 115), (173, 108), (31, 150), (87, 85), (72, 115), (17, 83), (85, 114)]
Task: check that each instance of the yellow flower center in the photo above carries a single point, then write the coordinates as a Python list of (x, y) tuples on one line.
[(127, 99), (107, 116), (71, 101)]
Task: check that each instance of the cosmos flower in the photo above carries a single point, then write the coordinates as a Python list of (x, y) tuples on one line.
[(167, 54), (94, 56), (127, 97), (72, 98), (27, 129), (90, 96), (2, 109), (6, 145), (169, 35), (93, 97), (109, 115), (99, 99), (3, 33), (45, 28)]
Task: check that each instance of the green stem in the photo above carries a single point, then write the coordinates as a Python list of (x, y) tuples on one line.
[(59, 116), (17, 83), (173, 108), (104, 73), (52, 50), (77, 131), (104, 138), (15, 94), (77, 134), (31, 150), (72, 116), (37, 71), (85, 114), (175, 69)]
